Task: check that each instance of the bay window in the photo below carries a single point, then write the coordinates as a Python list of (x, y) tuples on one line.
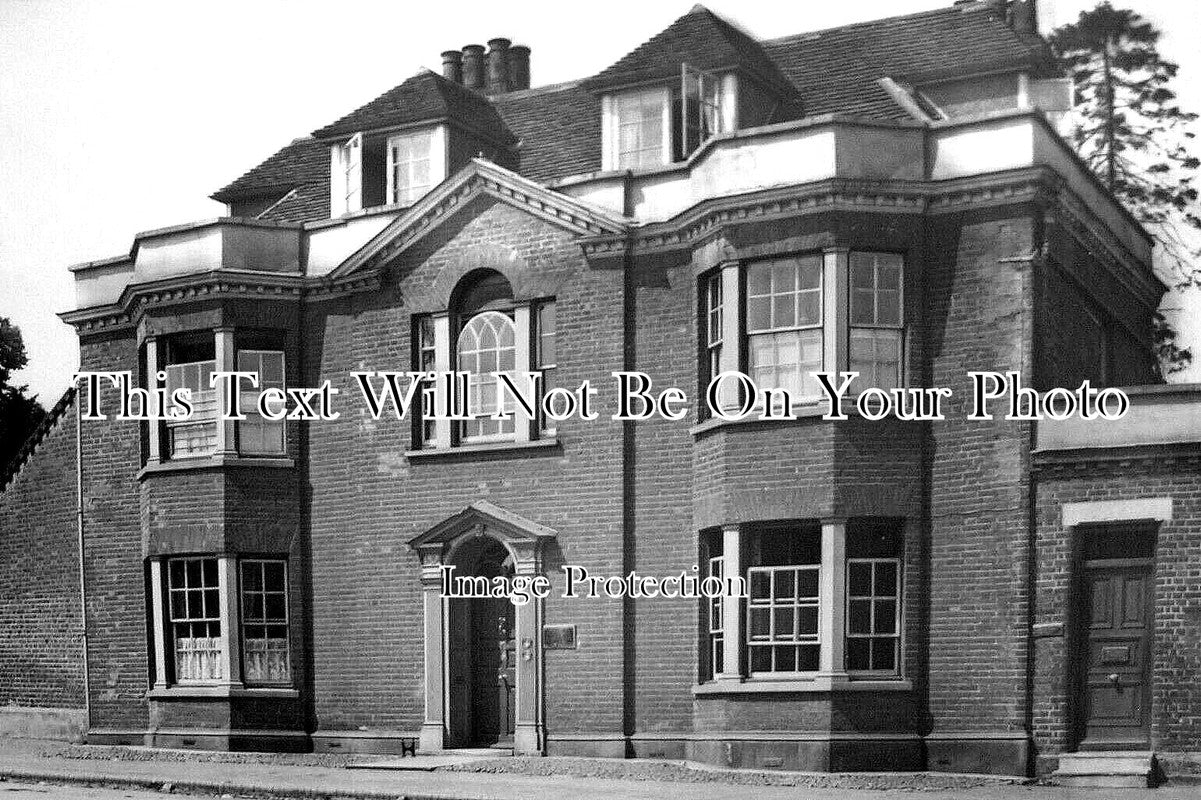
[(876, 319), (823, 603), (781, 319), (784, 324), (220, 620)]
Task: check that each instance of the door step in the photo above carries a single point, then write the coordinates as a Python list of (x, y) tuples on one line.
[(1113, 769)]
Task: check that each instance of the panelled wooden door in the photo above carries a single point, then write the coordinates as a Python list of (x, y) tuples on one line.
[(494, 679), (1117, 628)]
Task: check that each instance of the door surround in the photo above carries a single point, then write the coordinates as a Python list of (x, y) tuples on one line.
[(1078, 518), (525, 541)]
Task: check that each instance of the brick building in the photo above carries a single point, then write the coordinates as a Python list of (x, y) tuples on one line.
[(889, 197)]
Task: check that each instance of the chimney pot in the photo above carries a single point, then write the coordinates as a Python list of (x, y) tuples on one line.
[(1023, 16), (519, 67), (452, 65), (473, 66), (498, 66)]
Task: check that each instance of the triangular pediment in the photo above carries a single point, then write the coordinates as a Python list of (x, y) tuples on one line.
[(483, 516), (454, 195)]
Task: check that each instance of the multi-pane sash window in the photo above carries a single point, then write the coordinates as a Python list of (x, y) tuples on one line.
[(873, 615), (195, 619), (487, 346), (876, 319), (409, 168), (640, 129), (545, 357), (784, 323), (197, 435), (257, 435), (427, 354), (782, 618), (713, 325), (265, 621), (715, 624)]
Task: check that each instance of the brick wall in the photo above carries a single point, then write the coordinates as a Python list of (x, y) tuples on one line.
[(978, 318), (114, 571), (368, 499), (1176, 698), (41, 647)]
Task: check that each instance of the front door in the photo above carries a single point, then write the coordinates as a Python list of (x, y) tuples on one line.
[(494, 680), (1117, 626)]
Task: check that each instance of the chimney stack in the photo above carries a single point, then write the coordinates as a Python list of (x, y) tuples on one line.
[(498, 66), (1023, 16), (519, 67), (452, 66), (473, 66), (505, 67)]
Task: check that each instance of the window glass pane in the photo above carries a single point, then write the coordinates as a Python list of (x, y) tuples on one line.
[(194, 625), (859, 654), (758, 279), (758, 313), (859, 620), (859, 581)]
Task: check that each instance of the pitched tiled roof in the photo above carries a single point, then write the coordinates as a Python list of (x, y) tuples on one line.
[(557, 128), (300, 163), (836, 69), (700, 38), (425, 96)]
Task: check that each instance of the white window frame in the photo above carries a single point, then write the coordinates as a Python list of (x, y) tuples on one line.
[(264, 621), (507, 427), (771, 604), (708, 90), (875, 330), (204, 408), (346, 176), (249, 400), (716, 621), (546, 425), (809, 389), (612, 108), (714, 322), (412, 191), (216, 652), (898, 615)]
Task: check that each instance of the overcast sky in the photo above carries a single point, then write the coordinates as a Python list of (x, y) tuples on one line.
[(119, 117)]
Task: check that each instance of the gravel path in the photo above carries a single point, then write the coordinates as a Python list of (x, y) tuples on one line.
[(647, 770)]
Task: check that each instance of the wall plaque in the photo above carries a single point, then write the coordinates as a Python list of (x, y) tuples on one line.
[(558, 637)]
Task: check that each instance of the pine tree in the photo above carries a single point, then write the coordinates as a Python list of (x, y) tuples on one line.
[(1135, 137)]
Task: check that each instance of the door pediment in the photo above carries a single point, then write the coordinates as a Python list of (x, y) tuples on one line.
[(523, 537)]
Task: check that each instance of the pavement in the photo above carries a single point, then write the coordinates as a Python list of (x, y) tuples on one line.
[(25, 763)]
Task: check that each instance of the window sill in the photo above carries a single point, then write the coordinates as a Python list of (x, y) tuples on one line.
[(200, 692), (474, 450), (820, 684), (216, 462)]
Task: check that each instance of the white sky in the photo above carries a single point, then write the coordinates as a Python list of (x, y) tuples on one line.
[(119, 117)]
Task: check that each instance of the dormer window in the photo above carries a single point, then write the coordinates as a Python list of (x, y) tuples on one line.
[(650, 127), (386, 168), (641, 120)]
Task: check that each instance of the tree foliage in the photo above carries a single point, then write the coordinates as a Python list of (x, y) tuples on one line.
[(20, 414), (1130, 129)]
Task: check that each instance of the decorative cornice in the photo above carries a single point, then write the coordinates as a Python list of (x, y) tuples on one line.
[(217, 284), (479, 177)]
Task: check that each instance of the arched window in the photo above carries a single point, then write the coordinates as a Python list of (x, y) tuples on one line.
[(486, 348)]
